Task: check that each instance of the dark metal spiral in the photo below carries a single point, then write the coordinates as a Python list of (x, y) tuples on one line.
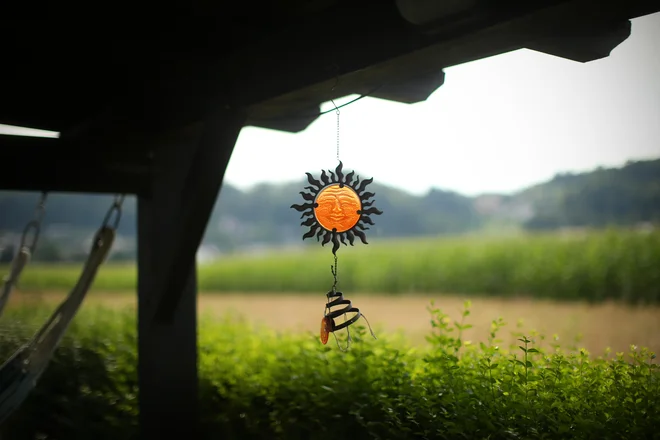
[(339, 301)]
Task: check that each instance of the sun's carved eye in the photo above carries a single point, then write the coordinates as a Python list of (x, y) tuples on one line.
[(338, 208)]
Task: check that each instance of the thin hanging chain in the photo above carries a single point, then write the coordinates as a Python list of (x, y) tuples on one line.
[(338, 112), (337, 132), (333, 269)]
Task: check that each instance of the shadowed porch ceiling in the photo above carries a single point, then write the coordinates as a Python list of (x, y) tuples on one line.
[(107, 78)]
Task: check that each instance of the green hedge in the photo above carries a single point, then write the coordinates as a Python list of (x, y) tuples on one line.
[(613, 264), (257, 384)]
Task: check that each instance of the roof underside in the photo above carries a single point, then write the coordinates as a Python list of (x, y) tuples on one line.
[(122, 73)]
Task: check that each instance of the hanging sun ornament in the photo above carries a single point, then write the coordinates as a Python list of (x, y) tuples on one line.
[(338, 209)]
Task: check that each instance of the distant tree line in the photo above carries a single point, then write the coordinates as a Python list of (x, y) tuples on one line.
[(262, 216), (605, 197)]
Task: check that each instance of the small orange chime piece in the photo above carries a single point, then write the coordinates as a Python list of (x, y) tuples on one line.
[(338, 209), (326, 327)]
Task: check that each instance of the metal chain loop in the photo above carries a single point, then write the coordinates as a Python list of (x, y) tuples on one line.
[(34, 224), (114, 209)]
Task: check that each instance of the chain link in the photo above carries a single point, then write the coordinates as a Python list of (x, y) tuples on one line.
[(338, 112), (337, 133), (34, 224), (333, 269), (115, 208)]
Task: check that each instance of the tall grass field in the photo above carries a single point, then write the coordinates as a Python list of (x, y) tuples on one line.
[(619, 265)]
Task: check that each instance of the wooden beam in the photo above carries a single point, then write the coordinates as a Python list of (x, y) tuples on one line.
[(375, 47), (171, 222), (235, 66), (585, 44), (510, 29), (200, 192), (372, 32), (167, 354), (47, 164)]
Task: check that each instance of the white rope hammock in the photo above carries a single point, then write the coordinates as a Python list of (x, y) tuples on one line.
[(20, 373)]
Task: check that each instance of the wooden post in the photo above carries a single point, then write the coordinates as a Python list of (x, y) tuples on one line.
[(187, 174)]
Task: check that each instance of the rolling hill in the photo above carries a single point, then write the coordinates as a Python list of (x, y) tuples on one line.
[(261, 216)]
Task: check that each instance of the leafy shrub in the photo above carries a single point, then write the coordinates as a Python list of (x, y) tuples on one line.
[(259, 384)]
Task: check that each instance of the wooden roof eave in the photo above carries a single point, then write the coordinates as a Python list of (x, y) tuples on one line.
[(282, 86)]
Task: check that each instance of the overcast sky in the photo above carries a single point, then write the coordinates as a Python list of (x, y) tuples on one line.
[(497, 125)]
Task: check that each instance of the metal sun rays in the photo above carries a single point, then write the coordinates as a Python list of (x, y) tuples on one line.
[(338, 209)]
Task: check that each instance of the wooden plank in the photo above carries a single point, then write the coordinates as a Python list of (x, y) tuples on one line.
[(167, 353)]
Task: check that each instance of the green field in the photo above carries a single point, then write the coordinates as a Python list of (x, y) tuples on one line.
[(620, 265), (265, 375), (256, 383)]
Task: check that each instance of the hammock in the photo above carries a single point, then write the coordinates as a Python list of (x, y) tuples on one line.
[(20, 373)]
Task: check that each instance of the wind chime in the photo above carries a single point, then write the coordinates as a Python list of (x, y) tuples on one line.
[(337, 208)]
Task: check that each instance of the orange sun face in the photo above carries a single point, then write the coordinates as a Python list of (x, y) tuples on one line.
[(337, 208)]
